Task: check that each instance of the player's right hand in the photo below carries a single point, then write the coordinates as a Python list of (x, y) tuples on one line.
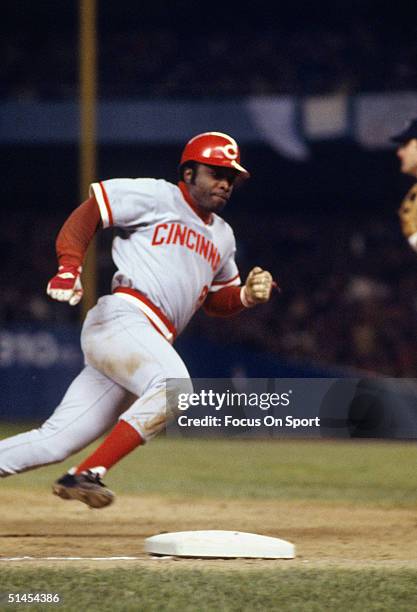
[(66, 286)]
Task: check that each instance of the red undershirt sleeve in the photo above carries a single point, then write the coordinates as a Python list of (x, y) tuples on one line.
[(76, 233), (224, 302)]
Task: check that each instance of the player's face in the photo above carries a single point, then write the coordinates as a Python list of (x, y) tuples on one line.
[(408, 156), (211, 187)]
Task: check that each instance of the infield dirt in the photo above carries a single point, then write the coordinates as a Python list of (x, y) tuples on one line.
[(37, 525)]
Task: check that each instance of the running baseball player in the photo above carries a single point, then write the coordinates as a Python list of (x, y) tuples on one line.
[(407, 152), (173, 254)]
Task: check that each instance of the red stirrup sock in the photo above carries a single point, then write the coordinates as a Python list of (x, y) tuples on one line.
[(121, 441)]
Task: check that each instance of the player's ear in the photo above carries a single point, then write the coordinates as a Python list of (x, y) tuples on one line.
[(188, 175)]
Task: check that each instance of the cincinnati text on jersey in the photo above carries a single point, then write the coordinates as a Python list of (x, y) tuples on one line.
[(175, 233)]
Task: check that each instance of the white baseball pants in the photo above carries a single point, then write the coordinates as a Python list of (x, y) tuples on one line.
[(127, 363)]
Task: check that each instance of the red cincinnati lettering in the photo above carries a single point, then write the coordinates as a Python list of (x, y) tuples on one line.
[(212, 256), (171, 231), (180, 233), (197, 246), (217, 262), (175, 233), (155, 239), (204, 246), (191, 233)]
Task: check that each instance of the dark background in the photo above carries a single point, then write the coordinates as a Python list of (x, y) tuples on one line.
[(321, 226)]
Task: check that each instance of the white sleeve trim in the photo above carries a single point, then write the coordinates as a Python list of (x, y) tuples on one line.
[(233, 282), (96, 190)]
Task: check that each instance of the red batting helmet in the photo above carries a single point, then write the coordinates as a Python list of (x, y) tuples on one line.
[(214, 149)]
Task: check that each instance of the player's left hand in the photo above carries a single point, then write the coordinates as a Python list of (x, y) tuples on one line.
[(258, 287)]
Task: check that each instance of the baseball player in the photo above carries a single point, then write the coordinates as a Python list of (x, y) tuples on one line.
[(407, 152), (173, 254)]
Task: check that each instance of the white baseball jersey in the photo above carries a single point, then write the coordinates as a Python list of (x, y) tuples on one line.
[(164, 249), (167, 260)]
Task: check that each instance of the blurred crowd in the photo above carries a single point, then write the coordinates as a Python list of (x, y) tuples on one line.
[(349, 294), (362, 54), (349, 288)]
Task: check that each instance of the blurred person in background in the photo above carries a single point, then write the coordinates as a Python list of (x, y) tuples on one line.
[(407, 153)]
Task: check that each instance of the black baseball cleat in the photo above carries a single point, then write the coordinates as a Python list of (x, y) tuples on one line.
[(87, 487)]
